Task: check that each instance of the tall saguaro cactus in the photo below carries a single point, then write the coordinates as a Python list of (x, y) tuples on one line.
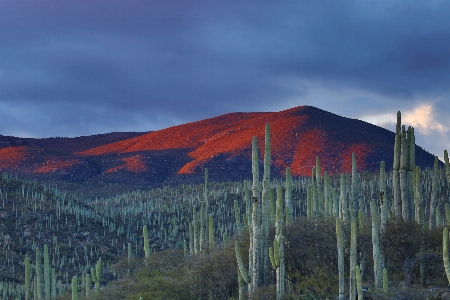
[(396, 167), (354, 230), (288, 197), (265, 213), (46, 273), (39, 274), (434, 193), (377, 257), (27, 278), (384, 207), (258, 225), (279, 254), (340, 249), (353, 257)]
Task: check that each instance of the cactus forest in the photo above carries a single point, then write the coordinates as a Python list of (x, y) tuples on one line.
[(354, 235)]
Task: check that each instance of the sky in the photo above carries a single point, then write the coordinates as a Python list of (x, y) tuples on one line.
[(73, 68)]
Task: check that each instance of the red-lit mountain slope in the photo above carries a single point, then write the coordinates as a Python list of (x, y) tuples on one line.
[(221, 144), (298, 135)]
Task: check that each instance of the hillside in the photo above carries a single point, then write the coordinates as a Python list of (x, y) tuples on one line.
[(222, 144)]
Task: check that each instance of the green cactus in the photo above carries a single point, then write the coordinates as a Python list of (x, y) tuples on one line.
[(354, 189), (396, 168), (344, 210), (340, 248), (39, 274), (265, 209), (146, 242), (404, 165), (237, 217), (445, 254), (27, 279), (447, 166), (74, 288), (241, 285), (353, 256), (385, 281), (98, 274), (256, 222), (211, 233), (130, 257), (354, 230), (376, 249), (288, 197), (434, 193), (359, 283), (278, 249), (243, 272), (447, 214), (46, 273), (88, 284), (271, 255)]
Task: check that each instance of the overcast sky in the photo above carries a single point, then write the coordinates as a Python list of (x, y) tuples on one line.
[(71, 68)]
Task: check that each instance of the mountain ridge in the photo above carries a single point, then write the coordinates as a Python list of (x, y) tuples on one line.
[(222, 144)]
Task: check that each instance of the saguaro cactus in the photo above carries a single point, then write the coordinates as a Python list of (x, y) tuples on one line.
[(96, 274), (88, 284), (39, 274), (434, 193), (288, 197), (404, 165), (359, 283), (354, 230), (377, 258), (27, 278), (46, 273), (211, 233), (279, 253), (396, 168), (146, 243), (265, 207), (447, 166), (340, 248), (258, 225), (353, 257), (74, 288), (445, 254)]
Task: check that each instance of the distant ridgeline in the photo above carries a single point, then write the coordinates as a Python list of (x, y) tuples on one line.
[(179, 154)]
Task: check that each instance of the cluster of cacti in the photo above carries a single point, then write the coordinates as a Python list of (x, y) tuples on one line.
[(259, 221), (403, 169), (164, 215)]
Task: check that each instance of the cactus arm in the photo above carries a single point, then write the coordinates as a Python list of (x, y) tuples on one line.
[(240, 263), (385, 281)]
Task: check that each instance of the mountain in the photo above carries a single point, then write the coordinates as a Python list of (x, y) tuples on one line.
[(222, 144)]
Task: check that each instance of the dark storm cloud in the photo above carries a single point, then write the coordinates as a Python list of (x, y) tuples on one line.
[(83, 67)]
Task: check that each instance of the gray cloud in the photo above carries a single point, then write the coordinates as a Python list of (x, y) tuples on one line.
[(83, 67)]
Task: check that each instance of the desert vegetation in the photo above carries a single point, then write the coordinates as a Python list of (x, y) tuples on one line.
[(351, 236)]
